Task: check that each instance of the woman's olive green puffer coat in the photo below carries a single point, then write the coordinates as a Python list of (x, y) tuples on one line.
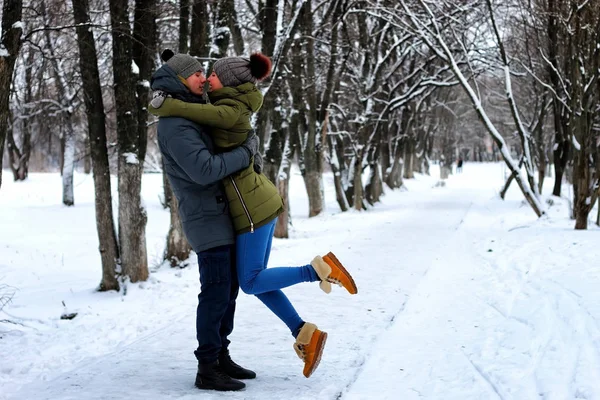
[(253, 199)]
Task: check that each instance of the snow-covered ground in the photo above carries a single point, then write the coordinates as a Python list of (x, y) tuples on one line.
[(461, 296)]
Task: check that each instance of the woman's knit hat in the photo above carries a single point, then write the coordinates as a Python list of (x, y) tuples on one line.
[(234, 71), (184, 65)]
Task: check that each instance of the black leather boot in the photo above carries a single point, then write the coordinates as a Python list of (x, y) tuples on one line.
[(232, 369), (211, 377)]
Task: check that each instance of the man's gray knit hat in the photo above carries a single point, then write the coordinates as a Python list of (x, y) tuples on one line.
[(184, 65), (235, 71)]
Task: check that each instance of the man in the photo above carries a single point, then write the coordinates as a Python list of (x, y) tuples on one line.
[(195, 174)]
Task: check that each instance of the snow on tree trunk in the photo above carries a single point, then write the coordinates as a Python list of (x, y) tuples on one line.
[(68, 197)]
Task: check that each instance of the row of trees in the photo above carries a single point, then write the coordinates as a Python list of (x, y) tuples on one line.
[(371, 88)]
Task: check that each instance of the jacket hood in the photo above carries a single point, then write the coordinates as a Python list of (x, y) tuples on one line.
[(246, 93)]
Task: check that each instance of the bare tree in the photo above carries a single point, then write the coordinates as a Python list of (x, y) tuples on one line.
[(132, 148), (10, 45), (94, 105), (430, 23)]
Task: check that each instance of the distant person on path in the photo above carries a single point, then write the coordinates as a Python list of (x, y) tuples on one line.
[(195, 172), (254, 202), (459, 165)]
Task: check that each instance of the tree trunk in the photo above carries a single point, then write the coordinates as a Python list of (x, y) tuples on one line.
[(506, 186), (167, 190), (132, 216), (409, 154), (235, 29), (200, 43), (283, 183), (336, 158), (87, 159), (221, 32), (374, 188), (68, 168), (394, 178), (88, 64), (269, 26), (274, 154), (583, 197), (66, 99), (178, 249), (357, 183), (184, 25), (540, 145), (541, 176), (444, 170), (509, 181), (145, 38), (19, 161), (10, 40), (313, 151), (268, 20), (561, 141)]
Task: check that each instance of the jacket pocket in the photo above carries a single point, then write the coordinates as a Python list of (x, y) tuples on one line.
[(214, 205), (215, 265)]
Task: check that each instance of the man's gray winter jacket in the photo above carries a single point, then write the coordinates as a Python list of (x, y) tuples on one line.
[(195, 172)]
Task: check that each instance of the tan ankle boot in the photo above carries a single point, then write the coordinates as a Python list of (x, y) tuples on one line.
[(309, 347), (331, 270)]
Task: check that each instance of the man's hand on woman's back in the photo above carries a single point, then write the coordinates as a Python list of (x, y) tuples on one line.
[(258, 163), (251, 144)]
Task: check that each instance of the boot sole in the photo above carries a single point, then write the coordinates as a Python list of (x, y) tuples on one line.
[(318, 353), (211, 387), (353, 289)]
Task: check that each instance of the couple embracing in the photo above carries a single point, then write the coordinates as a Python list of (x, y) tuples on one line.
[(228, 208)]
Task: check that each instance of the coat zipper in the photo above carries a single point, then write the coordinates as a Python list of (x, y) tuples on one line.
[(243, 204)]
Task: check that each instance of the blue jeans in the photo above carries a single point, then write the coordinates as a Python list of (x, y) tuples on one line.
[(216, 302), (253, 250)]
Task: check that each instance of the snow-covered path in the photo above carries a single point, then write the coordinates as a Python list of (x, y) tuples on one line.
[(389, 250), (512, 314), (461, 296)]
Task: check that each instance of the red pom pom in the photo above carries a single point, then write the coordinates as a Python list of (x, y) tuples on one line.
[(260, 66)]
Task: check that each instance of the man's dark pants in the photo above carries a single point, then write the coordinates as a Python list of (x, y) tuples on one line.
[(216, 302)]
